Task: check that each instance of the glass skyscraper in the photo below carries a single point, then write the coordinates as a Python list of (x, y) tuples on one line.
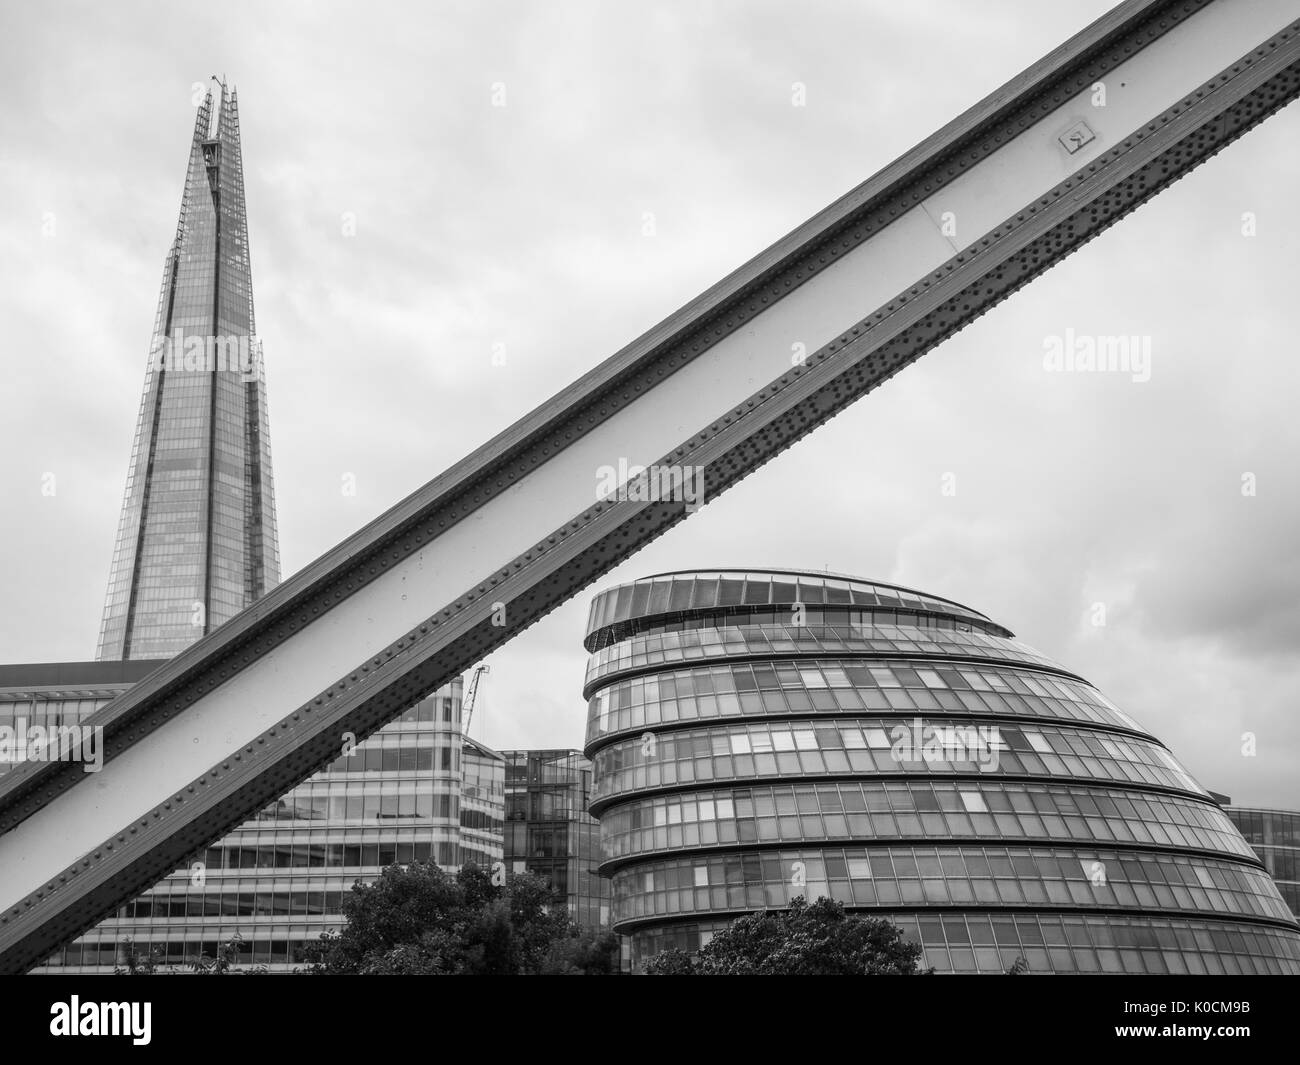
[(196, 542), (759, 736)]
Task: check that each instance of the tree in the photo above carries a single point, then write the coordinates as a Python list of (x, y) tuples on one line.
[(585, 953), (226, 961), (804, 940), (671, 962), (418, 920), (136, 963)]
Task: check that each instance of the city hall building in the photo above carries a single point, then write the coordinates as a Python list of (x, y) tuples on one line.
[(759, 736)]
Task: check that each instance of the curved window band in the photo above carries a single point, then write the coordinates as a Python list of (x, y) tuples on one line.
[(877, 811), (972, 876)]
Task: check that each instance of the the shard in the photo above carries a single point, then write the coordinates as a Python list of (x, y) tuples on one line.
[(196, 542)]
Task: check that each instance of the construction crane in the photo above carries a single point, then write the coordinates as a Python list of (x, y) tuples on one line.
[(870, 284), (468, 705)]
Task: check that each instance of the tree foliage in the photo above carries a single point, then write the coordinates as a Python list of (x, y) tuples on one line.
[(139, 963), (418, 920), (805, 940), (671, 962), (586, 954)]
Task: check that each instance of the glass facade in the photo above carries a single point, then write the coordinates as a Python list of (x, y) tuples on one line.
[(1275, 837), (57, 694), (413, 791), (759, 736), (482, 800), (549, 832), (196, 542)]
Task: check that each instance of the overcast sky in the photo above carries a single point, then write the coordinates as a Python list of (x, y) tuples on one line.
[(522, 225)]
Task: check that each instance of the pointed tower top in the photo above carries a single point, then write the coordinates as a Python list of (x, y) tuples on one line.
[(197, 537)]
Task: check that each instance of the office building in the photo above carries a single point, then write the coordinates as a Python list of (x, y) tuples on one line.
[(549, 832), (1275, 836), (414, 791)]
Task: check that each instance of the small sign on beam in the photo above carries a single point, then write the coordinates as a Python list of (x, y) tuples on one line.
[(1076, 137)]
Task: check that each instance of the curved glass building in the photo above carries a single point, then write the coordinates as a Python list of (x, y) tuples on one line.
[(758, 736)]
